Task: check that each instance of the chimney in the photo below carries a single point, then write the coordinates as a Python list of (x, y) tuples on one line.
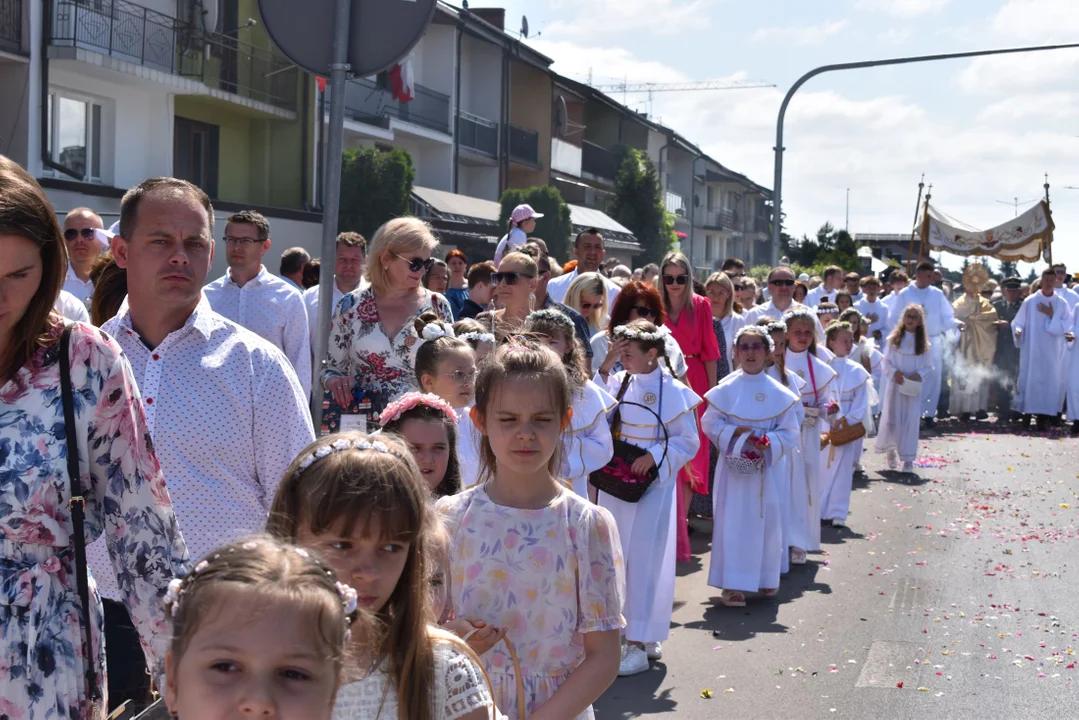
[(495, 16)]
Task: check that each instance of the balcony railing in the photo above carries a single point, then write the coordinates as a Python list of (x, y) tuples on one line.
[(674, 202), (11, 25), (142, 36), (524, 145), (598, 161), (368, 102), (720, 218), (478, 134)]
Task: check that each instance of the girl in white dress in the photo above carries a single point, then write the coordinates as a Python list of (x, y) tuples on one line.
[(864, 351), (818, 401), (587, 446), (359, 502), (647, 527), (906, 357), (837, 463), (749, 412)]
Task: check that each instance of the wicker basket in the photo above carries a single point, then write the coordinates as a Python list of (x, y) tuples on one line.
[(738, 463), (844, 433)]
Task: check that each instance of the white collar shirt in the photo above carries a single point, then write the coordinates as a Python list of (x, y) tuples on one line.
[(878, 308), (939, 314), (272, 309), (227, 417), (83, 290), (71, 308), (558, 288)]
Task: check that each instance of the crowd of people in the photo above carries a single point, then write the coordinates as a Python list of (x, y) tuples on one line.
[(488, 522)]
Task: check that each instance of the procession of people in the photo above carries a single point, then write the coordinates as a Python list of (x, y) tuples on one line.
[(514, 453)]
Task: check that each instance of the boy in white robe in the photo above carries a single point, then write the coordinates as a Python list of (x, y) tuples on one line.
[(749, 411), (1072, 404), (837, 462), (647, 527), (1039, 329), (818, 401)]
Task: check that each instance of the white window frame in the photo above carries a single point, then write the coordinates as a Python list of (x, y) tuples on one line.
[(92, 152)]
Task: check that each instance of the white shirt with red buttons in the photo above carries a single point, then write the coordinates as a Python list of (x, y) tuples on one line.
[(227, 416)]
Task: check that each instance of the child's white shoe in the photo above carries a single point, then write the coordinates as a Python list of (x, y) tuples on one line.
[(893, 460), (634, 660), (908, 467), (654, 650)]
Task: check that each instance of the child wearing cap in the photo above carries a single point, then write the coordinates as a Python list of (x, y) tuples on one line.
[(522, 224)]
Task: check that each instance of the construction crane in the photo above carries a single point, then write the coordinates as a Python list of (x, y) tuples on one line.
[(703, 85)]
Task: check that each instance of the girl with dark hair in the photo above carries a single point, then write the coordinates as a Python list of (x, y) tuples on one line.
[(429, 425)]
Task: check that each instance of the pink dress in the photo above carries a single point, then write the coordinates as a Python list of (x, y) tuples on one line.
[(548, 576), (697, 340)]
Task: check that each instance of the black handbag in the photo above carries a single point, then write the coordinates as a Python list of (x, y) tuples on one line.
[(77, 505), (615, 478)]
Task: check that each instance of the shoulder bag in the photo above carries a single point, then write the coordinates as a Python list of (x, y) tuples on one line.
[(615, 478)]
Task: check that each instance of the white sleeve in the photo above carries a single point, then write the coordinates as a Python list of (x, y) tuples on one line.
[(786, 436), (855, 413), (589, 448), (683, 444)]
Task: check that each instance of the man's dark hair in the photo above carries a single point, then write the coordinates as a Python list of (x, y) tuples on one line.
[(898, 276), (251, 217), (311, 270), (352, 239), (852, 276), (480, 273), (926, 265), (1062, 266), (129, 206), (832, 270), (293, 260), (733, 263), (589, 231)]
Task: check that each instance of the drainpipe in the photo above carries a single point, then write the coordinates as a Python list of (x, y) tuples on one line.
[(321, 151), (46, 27), (304, 107), (457, 109)]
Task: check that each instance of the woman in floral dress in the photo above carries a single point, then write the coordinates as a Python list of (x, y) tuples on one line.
[(42, 641), (373, 340)]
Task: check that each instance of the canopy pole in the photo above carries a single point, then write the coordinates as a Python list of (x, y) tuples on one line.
[(915, 226), (923, 245), (1049, 249)]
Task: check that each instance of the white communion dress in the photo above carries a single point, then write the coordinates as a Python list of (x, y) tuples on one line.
[(837, 463), (587, 446), (789, 467)]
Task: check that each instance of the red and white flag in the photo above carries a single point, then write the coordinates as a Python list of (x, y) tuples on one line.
[(402, 80)]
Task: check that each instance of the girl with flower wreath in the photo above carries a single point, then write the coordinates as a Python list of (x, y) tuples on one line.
[(837, 463), (648, 527), (753, 420), (429, 425), (587, 446)]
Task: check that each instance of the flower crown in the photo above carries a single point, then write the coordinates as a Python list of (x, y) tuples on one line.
[(827, 310), (407, 402), (479, 337), (341, 444), (435, 330), (801, 313), (756, 330), (551, 316), (624, 331), (178, 587), (778, 326)]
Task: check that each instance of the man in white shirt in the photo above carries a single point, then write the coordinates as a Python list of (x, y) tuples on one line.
[(896, 282), (833, 280), (347, 276), (71, 308), (291, 269), (249, 295), (1041, 328), (589, 250), (781, 284), (852, 283), (1060, 275), (874, 310), (224, 408), (84, 246), (939, 323)]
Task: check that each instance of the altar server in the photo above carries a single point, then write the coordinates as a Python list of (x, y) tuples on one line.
[(1039, 329)]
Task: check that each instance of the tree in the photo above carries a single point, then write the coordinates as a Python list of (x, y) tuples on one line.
[(638, 204), (554, 227), (375, 187), (1008, 269)]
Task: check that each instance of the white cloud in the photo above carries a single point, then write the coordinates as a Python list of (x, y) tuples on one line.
[(804, 35), (607, 18), (1020, 73), (1038, 21), (902, 8)]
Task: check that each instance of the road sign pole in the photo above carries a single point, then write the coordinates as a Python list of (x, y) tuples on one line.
[(332, 184)]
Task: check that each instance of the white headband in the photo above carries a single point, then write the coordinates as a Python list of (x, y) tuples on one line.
[(434, 331), (756, 330)]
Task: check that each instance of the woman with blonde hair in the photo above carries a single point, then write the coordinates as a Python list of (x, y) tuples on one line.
[(587, 294), (513, 293), (720, 291), (373, 340)]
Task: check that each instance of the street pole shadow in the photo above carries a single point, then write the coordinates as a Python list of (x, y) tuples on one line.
[(911, 479), (637, 695), (838, 536)]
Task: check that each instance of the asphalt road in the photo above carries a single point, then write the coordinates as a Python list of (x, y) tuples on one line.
[(949, 596)]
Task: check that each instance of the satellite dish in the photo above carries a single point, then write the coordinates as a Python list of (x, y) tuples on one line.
[(209, 11), (524, 26), (561, 116)]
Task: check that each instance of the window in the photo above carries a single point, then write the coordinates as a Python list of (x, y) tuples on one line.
[(75, 132), (195, 151)]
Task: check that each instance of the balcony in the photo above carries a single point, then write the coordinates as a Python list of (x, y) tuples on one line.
[(598, 162), (11, 25), (524, 145), (674, 203), (372, 103), (131, 32), (718, 218), (478, 134)]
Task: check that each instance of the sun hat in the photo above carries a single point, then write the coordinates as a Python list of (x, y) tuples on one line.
[(524, 212)]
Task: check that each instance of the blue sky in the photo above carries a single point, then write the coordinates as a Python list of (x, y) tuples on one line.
[(982, 131)]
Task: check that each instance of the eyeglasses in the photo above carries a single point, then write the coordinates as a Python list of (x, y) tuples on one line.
[(587, 308), (508, 277), (239, 240), (750, 347), (783, 282), (672, 279), (416, 264), (642, 311), (461, 376), (71, 233)]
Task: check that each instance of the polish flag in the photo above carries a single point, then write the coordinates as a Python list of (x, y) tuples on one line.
[(402, 80)]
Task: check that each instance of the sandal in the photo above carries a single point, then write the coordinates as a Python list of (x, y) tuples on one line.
[(769, 592), (798, 557), (732, 598)]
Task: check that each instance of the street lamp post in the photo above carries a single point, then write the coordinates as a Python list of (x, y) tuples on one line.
[(778, 186)]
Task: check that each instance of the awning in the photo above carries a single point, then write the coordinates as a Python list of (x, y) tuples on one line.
[(584, 218), (460, 208)]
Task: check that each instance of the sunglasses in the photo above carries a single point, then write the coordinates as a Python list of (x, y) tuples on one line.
[(416, 264), (510, 278), (71, 233), (642, 311), (675, 279), (750, 347), (785, 282)]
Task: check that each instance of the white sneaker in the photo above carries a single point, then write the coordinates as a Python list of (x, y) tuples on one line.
[(893, 459), (654, 650), (634, 661), (908, 467)]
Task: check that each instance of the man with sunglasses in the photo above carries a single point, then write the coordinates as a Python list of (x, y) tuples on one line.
[(544, 300), (589, 250), (84, 246), (781, 284)]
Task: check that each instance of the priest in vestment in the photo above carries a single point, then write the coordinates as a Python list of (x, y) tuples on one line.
[(1039, 328), (977, 345)]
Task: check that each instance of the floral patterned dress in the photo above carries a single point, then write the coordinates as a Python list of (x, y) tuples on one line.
[(381, 366), (548, 576), (42, 669)]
